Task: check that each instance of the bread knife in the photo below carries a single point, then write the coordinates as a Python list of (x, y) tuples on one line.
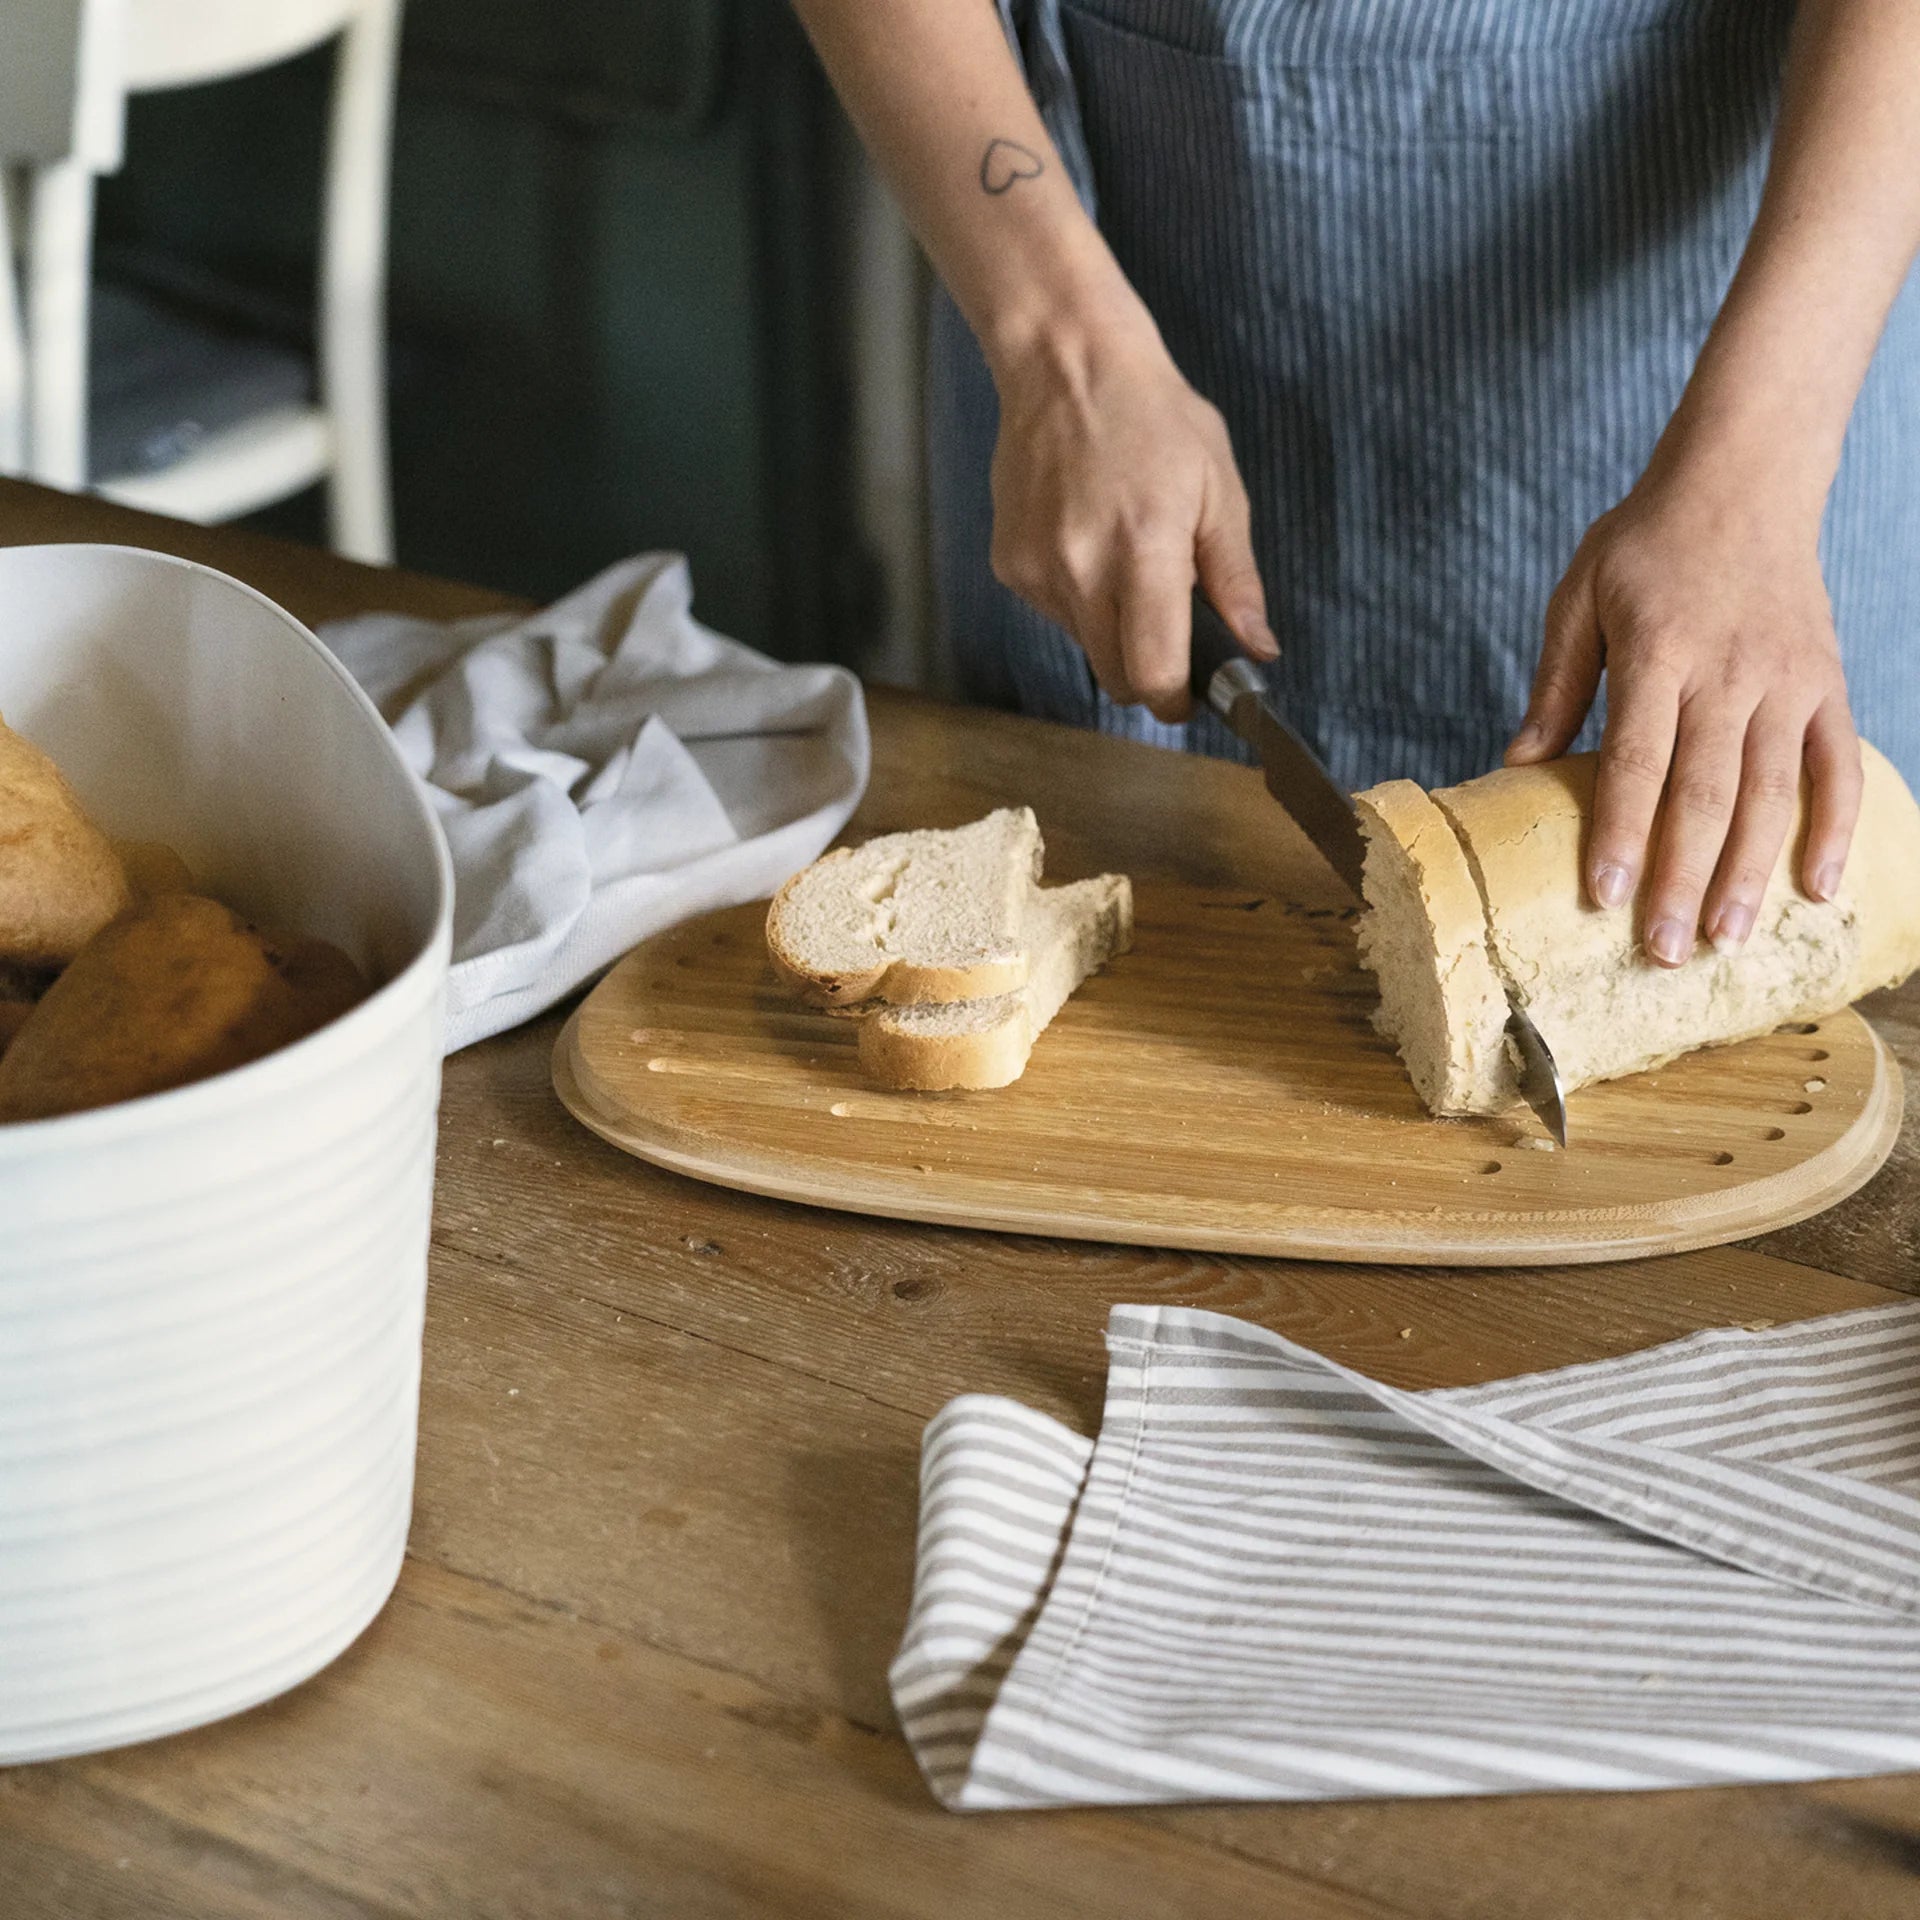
[(1230, 683)]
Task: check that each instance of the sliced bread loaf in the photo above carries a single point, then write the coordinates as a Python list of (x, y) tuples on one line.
[(911, 917), (1068, 932), (1603, 1007), (1441, 1003)]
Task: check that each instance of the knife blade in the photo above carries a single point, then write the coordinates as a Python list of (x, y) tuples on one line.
[(1229, 682)]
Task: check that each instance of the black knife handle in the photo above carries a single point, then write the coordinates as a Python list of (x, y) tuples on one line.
[(1213, 647)]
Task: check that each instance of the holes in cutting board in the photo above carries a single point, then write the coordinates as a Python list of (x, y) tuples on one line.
[(1799, 1026)]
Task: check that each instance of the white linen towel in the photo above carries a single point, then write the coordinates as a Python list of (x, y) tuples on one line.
[(1273, 1578), (603, 769)]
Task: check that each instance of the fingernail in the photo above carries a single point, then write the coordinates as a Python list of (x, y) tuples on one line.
[(1668, 941), (1611, 884), (1528, 739), (1257, 636), (1731, 925), (1826, 880)]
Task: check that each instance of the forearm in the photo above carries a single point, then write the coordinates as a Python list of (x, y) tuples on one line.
[(941, 104), (1838, 227)]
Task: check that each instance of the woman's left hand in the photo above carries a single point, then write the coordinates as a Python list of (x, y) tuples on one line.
[(1703, 601)]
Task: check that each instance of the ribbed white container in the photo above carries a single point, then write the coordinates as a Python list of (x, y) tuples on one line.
[(210, 1300)]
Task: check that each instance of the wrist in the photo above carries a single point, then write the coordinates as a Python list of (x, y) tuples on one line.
[(1775, 460), (1757, 417), (1064, 319)]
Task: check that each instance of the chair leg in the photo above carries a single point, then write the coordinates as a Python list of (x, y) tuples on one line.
[(59, 257), (353, 284), (13, 344)]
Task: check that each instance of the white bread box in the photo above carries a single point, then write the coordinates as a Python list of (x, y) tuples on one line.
[(211, 1299)]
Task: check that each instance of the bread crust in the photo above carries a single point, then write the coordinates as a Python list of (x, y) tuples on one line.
[(993, 1056), (60, 880), (153, 868), (1883, 876), (1079, 928), (175, 990)]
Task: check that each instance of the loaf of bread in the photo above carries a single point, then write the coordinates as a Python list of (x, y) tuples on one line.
[(152, 867), (60, 879), (1069, 933), (13, 1016), (173, 991), (116, 978), (911, 917), (1479, 887)]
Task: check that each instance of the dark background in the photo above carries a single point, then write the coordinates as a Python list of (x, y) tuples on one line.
[(616, 275)]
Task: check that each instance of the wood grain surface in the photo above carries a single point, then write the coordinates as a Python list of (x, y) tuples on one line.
[(664, 1528), (1221, 1087)]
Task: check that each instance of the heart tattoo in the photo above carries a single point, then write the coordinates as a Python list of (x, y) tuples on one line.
[(1005, 162)]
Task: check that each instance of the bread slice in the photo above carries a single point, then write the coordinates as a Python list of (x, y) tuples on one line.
[(60, 880), (1069, 932), (911, 917), (1425, 938), (1603, 1007)]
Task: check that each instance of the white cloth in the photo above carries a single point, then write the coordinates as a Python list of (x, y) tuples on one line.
[(603, 769), (1275, 1578)]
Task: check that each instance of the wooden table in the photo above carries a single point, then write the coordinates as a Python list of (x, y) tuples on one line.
[(664, 1531)]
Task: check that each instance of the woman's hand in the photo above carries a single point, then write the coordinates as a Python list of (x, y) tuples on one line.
[(1702, 598), (1701, 591), (1114, 487)]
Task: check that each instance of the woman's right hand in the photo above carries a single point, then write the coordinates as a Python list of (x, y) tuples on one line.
[(1114, 489)]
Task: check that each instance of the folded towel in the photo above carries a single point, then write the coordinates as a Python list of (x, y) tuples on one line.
[(1274, 1578), (603, 769)]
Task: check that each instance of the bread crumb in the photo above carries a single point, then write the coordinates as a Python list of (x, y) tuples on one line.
[(840, 1110), (1814, 1086), (1406, 1333), (1541, 1145), (1757, 1326)]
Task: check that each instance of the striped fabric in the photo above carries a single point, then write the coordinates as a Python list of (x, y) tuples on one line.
[(1275, 1578), (1444, 265)]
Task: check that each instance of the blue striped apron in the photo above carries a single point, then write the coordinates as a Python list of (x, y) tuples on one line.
[(1444, 265)]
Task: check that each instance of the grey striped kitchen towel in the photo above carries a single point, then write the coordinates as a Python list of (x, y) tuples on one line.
[(1274, 1578)]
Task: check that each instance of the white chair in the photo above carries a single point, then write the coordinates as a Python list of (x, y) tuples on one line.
[(343, 439)]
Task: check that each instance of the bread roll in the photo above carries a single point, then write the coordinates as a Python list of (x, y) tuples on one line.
[(13, 1016), (1603, 1007), (152, 867), (173, 991), (60, 880)]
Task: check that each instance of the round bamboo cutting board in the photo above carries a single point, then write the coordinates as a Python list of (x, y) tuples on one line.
[(1218, 1088)]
